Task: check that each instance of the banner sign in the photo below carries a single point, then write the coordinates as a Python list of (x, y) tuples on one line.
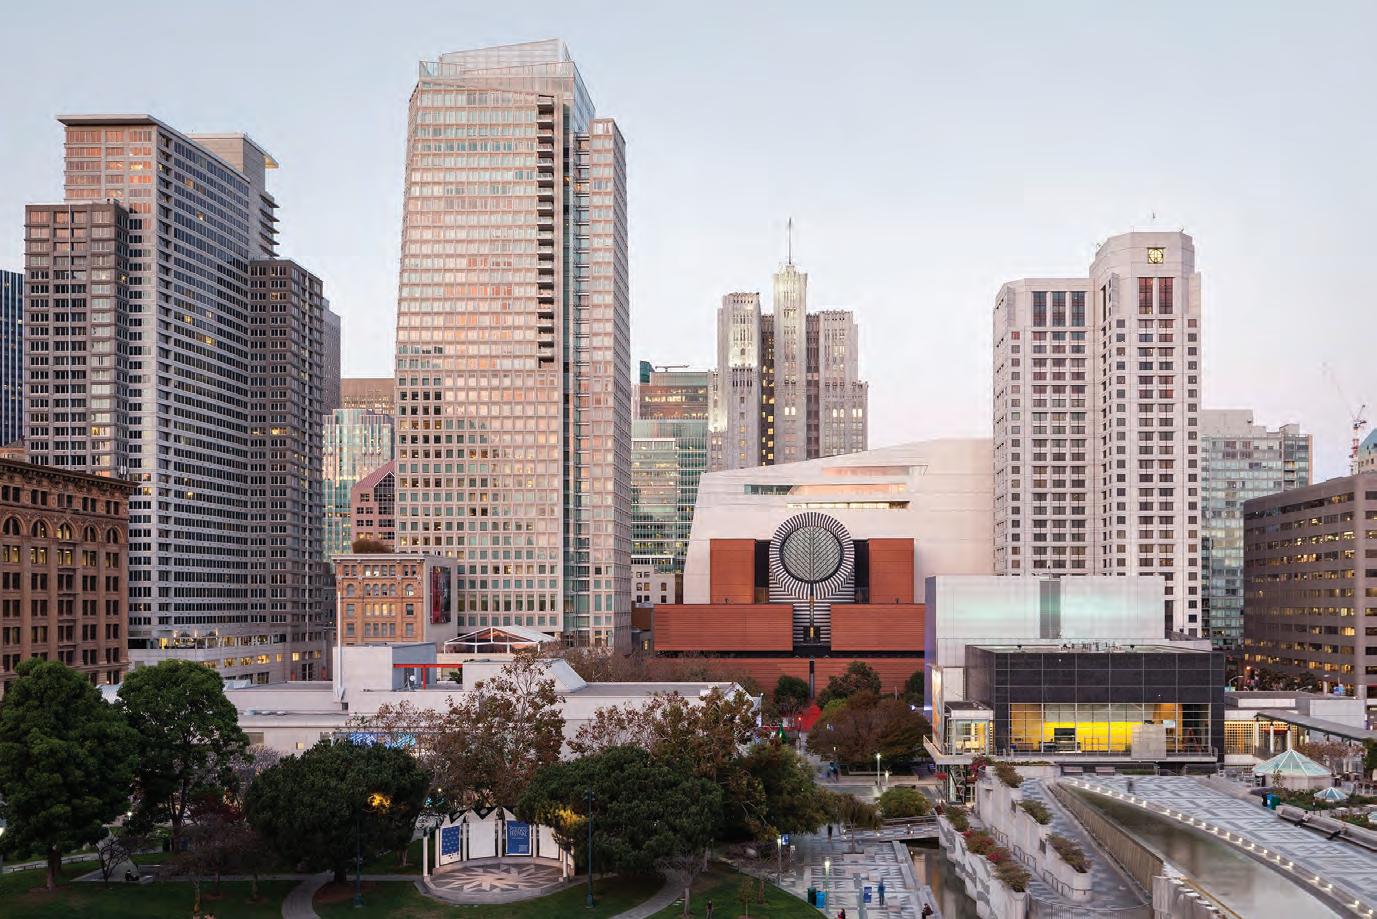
[(449, 844), (518, 838)]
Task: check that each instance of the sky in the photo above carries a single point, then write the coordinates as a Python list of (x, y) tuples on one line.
[(926, 153)]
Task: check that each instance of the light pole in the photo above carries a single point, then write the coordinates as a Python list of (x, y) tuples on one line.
[(779, 848), (877, 770), (827, 874), (590, 797), (377, 801)]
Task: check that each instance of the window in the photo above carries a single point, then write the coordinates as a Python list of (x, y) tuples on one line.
[(1039, 307), (1164, 295), (1144, 296)]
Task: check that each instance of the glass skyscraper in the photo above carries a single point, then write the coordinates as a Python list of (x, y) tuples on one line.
[(1240, 461), (669, 453), (356, 442), (11, 357), (513, 337)]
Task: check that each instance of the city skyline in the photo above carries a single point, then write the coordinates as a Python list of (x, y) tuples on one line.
[(924, 254)]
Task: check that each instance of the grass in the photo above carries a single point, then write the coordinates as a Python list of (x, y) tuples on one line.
[(402, 900), (723, 885), (25, 897), (389, 862)]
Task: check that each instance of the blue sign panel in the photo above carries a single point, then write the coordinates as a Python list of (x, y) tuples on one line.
[(449, 840), (518, 838), (867, 894)]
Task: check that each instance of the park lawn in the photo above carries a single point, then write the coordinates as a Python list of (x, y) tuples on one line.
[(24, 897), (722, 885), (388, 862), (402, 900)]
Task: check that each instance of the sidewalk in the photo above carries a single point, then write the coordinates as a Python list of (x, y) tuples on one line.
[(875, 860)]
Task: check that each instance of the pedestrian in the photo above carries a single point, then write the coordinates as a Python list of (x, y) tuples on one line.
[(927, 910), (881, 891), (829, 832), (708, 914), (841, 915)]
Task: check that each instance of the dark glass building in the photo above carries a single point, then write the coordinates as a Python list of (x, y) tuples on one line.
[(1141, 702)]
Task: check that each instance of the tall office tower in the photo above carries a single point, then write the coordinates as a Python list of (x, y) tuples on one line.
[(787, 384), (1096, 410), (287, 319), (375, 394), (143, 364), (1239, 461), (513, 370), (1310, 591), (1366, 460), (355, 443), (332, 397), (11, 357), (736, 403), (669, 454)]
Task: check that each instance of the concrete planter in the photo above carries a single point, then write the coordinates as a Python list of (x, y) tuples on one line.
[(998, 805), (993, 899)]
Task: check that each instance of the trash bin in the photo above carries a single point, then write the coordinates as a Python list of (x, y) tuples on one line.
[(812, 896)]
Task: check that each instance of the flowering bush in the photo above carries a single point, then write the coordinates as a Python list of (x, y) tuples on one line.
[(956, 816), (1037, 810), (1069, 851), (980, 842)]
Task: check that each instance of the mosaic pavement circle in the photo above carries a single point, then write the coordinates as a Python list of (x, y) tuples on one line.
[(495, 878)]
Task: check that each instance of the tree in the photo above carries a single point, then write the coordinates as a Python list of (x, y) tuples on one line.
[(782, 797), (853, 813), (66, 762), (490, 743), (865, 725), (218, 840), (116, 849), (648, 813), (188, 738), (913, 689), (858, 678), (903, 801), (366, 546), (308, 808), (790, 695)]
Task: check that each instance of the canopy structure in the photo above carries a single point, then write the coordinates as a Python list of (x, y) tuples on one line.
[(1290, 762), (1294, 770), (1332, 794), (506, 639)]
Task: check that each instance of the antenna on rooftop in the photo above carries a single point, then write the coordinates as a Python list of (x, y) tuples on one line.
[(789, 240)]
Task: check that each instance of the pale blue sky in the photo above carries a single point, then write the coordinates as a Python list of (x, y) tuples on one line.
[(926, 151)]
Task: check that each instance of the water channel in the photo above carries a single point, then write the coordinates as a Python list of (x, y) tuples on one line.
[(933, 869), (1247, 887)]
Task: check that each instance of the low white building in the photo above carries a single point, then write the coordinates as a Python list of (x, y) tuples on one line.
[(290, 717)]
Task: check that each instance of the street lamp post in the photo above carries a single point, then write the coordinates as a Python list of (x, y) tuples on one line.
[(877, 770), (590, 797), (827, 874), (377, 801), (779, 848)]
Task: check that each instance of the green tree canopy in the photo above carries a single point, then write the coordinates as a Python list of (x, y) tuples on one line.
[(913, 689), (782, 796), (307, 807), (189, 737), (645, 810), (903, 801), (865, 725), (66, 762), (790, 695), (858, 678)]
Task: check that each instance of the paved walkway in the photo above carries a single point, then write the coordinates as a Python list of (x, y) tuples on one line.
[(1251, 829), (297, 904), (876, 859), (666, 895)]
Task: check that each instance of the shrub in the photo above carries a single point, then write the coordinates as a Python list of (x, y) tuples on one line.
[(1069, 851), (1013, 875), (1007, 774), (956, 816), (1037, 810), (903, 801), (980, 842)]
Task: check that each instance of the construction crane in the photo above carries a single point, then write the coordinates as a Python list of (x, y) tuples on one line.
[(1358, 420)]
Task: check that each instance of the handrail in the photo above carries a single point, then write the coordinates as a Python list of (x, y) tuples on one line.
[(1138, 861)]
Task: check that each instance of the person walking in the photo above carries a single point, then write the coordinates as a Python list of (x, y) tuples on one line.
[(927, 910), (829, 832), (881, 891), (708, 914)]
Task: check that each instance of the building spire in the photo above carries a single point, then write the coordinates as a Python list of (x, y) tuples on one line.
[(789, 237)]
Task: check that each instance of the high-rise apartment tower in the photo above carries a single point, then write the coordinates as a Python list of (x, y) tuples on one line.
[(513, 338), (1096, 421), (669, 453), (144, 364)]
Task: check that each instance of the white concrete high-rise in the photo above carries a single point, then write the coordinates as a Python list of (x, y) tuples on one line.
[(513, 343), (1096, 414)]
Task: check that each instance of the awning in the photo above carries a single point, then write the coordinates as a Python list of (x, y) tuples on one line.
[(1335, 728)]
